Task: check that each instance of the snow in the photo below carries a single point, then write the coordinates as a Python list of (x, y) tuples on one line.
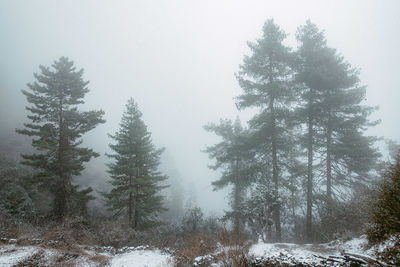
[(355, 245), (300, 252), (308, 253), (141, 258), (11, 254)]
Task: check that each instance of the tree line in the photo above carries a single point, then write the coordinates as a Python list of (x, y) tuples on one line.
[(56, 127), (296, 170), (305, 152)]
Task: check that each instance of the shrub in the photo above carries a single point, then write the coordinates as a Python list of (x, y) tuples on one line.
[(193, 220), (385, 214), (15, 196), (198, 244)]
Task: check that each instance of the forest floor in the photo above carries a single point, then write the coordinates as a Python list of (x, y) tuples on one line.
[(13, 254), (336, 253)]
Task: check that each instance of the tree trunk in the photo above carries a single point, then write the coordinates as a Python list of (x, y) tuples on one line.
[(130, 200), (236, 204), (267, 211), (292, 199), (309, 169), (329, 161), (136, 215), (60, 203), (236, 211), (60, 187), (277, 219)]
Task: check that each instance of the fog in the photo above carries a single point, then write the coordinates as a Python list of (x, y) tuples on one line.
[(177, 59)]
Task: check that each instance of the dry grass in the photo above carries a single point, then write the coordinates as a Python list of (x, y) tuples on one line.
[(234, 257), (63, 258), (236, 248), (116, 233), (230, 238), (70, 237), (227, 248), (102, 260), (198, 244), (65, 236), (35, 260), (8, 226)]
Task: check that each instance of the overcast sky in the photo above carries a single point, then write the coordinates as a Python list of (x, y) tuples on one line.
[(177, 59)]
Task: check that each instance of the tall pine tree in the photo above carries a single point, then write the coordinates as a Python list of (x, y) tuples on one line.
[(57, 127), (332, 108), (311, 57), (265, 78), (231, 156), (347, 151), (134, 172)]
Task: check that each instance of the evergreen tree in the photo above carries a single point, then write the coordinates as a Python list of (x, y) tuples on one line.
[(193, 220), (309, 60), (347, 151), (335, 116), (135, 177), (265, 78), (231, 156), (260, 205), (393, 147), (58, 126), (297, 170)]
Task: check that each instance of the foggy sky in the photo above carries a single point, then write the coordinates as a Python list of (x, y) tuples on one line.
[(177, 59)]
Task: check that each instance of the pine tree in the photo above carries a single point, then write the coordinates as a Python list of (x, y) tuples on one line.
[(265, 78), (393, 147), (260, 205), (297, 170), (193, 220), (58, 126), (347, 151), (134, 172), (349, 155), (335, 116), (231, 156), (309, 61)]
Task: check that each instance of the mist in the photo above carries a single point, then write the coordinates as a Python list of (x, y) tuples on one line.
[(177, 59)]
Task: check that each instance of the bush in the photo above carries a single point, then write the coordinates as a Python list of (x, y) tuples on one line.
[(8, 225), (199, 244), (385, 214), (193, 220), (344, 219), (15, 196)]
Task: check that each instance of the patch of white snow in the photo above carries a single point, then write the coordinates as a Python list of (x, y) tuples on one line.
[(11, 254), (142, 258)]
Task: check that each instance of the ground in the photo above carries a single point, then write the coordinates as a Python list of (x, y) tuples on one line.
[(13, 254)]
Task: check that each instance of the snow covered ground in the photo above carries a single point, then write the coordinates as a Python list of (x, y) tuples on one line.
[(312, 254), (149, 258), (12, 254), (307, 250)]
